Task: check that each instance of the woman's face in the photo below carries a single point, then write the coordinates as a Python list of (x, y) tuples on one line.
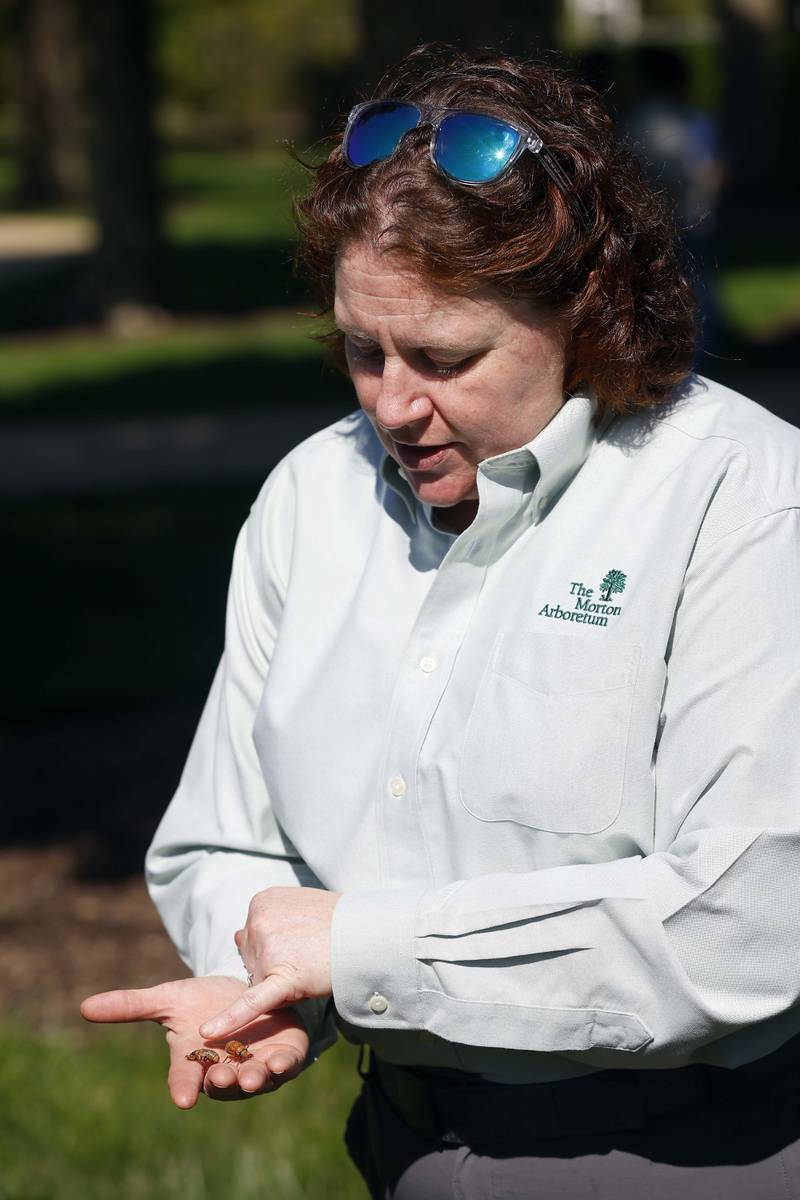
[(446, 380)]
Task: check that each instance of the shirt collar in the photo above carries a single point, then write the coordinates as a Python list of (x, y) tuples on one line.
[(562, 447), (547, 463)]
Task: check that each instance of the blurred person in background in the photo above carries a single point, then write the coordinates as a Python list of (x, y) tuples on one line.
[(680, 151), (499, 771)]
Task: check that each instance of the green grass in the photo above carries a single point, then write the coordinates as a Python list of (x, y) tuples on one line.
[(28, 367), (229, 234), (97, 1122), (231, 197), (202, 368), (759, 299), (218, 195)]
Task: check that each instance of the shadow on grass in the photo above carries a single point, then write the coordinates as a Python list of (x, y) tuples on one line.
[(205, 276), (116, 597), (233, 379), (231, 278), (114, 610), (773, 242)]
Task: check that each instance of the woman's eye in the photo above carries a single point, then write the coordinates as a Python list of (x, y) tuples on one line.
[(445, 369), (372, 354), (366, 351)]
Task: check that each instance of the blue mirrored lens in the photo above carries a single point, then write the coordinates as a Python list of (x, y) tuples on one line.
[(474, 149), (376, 131)]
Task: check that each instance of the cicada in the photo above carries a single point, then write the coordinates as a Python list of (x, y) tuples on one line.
[(237, 1050), (205, 1057)]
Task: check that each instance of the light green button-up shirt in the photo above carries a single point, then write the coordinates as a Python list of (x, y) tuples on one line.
[(553, 763)]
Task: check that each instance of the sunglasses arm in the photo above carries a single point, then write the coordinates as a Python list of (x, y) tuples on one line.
[(534, 143)]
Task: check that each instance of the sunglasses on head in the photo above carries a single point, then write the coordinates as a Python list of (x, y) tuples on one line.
[(470, 148)]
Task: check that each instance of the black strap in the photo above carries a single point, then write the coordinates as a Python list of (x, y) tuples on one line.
[(458, 1108)]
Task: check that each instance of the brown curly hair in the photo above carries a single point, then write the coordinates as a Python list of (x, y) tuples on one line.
[(605, 257)]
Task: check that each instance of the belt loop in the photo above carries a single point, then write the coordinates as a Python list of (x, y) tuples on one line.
[(360, 1064)]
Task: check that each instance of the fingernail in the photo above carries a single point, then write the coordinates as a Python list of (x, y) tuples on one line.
[(279, 1066), (211, 1029)]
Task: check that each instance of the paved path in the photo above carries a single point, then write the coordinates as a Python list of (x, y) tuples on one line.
[(30, 244)]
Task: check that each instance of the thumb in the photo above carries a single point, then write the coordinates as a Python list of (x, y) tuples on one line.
[(275, 991), (128, 1004)]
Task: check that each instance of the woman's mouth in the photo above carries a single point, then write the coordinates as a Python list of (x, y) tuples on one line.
[(422, 458)]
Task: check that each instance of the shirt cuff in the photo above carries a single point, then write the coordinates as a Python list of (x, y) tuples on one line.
[(373, 964)]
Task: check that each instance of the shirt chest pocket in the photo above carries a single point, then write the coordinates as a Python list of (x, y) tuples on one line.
[(546, 741)]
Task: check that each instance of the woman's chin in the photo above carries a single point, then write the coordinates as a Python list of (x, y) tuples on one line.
[(443, 493)]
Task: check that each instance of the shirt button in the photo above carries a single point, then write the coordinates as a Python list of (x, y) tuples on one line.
[(428, 664), (397, 786), (378, 1003)]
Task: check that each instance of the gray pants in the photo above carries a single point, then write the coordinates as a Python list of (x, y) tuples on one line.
[(743, 1151)]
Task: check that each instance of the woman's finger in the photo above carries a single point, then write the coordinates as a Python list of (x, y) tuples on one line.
[(284, 1064), (254, 1077), (128, 1004), (273, 992), (222, 1082), (184, 1081), (238, 1083)]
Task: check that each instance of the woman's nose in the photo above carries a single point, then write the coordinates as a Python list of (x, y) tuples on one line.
[(403, 397)]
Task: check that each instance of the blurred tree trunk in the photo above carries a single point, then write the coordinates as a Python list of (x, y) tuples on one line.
[(748, 117), (519, 27), (125, 187), (48, 86)]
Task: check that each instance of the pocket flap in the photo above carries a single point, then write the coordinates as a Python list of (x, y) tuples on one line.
[(562, 665)]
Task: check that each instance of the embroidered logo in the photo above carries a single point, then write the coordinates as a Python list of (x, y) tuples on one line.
[(614, 581), (588, 609)]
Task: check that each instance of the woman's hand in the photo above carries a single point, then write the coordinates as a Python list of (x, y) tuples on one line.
[(277, 1041), (286, 945)]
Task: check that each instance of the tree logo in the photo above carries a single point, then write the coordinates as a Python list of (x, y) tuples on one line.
[(587, 607), (614, 582)]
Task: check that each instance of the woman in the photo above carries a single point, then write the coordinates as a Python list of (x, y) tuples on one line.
[(499, 768)]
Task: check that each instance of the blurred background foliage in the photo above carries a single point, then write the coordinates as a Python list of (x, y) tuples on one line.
[(235, 73), (157, 357)]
